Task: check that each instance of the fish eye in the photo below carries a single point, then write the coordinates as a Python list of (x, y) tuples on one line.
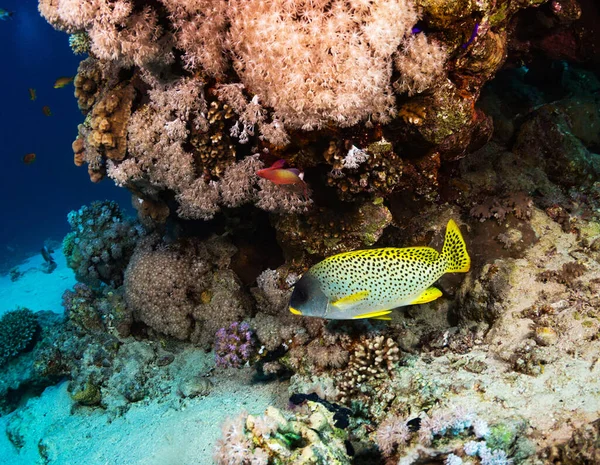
[(299, 295)]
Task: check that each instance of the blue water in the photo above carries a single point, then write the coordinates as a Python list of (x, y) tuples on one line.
[(35, 199)]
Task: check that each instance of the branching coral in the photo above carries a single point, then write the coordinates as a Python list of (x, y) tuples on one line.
[(372, 360)]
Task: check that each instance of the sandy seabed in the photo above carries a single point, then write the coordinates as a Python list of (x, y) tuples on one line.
[(166, 431)]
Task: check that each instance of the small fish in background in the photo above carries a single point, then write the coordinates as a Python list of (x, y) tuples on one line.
[(49, 264), (46, 110), (290, 178), (5, 15), (29, 158), (63, 81), (371, 283), (32, 94)]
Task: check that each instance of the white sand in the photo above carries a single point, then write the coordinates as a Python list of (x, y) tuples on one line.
[(37, 290), (171, 432), (154, 434)]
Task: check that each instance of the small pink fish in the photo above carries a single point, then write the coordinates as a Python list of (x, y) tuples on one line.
[(290, 178)]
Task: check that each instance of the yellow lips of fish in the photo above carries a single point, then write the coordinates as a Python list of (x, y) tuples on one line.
[(371, 283)]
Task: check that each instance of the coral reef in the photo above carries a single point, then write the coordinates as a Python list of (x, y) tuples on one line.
[(17, 331), (100, 244), (376, 108), (308, 436), (185, 102)]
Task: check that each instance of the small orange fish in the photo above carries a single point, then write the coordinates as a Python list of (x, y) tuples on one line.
[(32, 94), (29, 158), (291, 178), (63, 81), (46, 110)]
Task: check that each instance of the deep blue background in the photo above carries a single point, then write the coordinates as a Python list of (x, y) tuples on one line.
[(35, 199)]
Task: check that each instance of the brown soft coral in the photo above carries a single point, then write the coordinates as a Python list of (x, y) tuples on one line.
[(214, 150), (375, 170), (109, 122), (87, 82)]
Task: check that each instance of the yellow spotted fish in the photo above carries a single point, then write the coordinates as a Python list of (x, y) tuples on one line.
[(371, 283)]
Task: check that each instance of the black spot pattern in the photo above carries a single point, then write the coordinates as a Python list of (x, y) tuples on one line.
[(455, 250), (390, 275)]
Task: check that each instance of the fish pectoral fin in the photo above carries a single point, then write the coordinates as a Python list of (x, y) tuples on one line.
[(350, 300), (379, 315), (428, 295)]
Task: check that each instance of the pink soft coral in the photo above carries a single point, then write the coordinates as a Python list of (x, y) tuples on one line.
[(392, 433)]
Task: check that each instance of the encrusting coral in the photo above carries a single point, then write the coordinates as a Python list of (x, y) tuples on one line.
[(449, 433)]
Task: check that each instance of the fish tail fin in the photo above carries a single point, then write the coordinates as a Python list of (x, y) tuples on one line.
[(455, 250)]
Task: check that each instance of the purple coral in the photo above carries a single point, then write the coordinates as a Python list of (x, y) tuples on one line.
[(234, 345)]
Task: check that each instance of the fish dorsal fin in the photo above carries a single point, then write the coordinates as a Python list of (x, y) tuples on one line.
[(279, 164), (350, 300), (428, 295), (378, 315)]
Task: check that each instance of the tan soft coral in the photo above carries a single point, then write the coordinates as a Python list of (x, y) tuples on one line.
[(184, 289), (200, 33)]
